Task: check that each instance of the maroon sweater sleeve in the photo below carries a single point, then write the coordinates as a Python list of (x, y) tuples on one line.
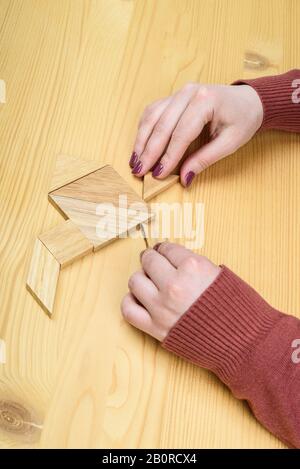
[(280, 97), (253, 348)]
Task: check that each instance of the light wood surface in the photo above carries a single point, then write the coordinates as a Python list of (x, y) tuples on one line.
[(78, 75)]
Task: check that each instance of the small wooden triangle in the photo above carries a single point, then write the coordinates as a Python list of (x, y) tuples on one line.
[(69, 169), (153, 187)]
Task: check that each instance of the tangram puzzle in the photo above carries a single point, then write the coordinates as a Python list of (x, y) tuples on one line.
[(153, 187), (77, 189)]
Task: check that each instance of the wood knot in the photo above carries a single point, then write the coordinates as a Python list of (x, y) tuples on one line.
[(17, 420), (256, 61)]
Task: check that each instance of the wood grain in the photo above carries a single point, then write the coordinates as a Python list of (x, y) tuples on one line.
[(68, 169), (102, 186), (78, 76), (43, 276), (66, 243), (153, 187), (102, 205)]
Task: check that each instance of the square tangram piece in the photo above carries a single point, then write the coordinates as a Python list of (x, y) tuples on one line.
[(102, 205)]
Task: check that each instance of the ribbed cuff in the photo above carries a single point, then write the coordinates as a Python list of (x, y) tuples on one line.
[(278, 95), (222, 328)]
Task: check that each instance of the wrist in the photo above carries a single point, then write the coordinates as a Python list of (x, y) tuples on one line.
[(255, 105), (275, 93), (223, 327)]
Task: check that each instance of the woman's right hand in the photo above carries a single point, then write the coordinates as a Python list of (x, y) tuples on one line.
[(170, 125)]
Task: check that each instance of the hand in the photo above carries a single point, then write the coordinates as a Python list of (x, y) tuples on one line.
[(171, 280), (170, 125)]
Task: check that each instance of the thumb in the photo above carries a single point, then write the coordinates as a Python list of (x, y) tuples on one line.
[(223, 145)]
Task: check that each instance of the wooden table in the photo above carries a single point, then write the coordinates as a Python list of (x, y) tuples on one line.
[(78, 75)]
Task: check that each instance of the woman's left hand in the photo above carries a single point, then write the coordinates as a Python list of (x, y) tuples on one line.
[(171, 280)]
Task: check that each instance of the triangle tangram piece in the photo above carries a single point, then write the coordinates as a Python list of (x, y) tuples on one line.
[(102, 205), (69, 168), (99, 207), (153, 187)]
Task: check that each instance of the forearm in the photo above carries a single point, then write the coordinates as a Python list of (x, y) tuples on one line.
[(280, 97), (232, 331)]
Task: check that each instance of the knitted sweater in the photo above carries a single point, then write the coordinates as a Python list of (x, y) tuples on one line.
[(253, 348)]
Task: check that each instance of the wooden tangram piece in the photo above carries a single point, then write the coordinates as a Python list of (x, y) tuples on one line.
[(68, 169), (153, 187), (43, 276), (66, 243), (99, 206), (102, 205)]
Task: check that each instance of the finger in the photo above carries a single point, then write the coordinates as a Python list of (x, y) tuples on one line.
[(136, 314), (149, 118), (143, 289), (175, 253), (163, 130), (223, 145), (157, 267), (190, 125)]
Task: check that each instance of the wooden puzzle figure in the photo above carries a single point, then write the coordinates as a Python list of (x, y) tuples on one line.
[(98, 207)]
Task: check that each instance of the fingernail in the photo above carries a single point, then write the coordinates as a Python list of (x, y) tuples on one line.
[(157, 169), (189, 178), (156, 246), (133, 159), (137, 168)]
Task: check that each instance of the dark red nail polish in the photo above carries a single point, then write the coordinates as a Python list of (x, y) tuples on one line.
[(156, 246), (137, 168), (189, 178), (157, 169), (133, 160)]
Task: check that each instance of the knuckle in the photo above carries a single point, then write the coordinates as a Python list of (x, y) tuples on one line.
[(146, 120), (174, 290), (202, 92), (163, 247), (202, 164), (148, 109), (189, 86), (166, 159), (195, 263), (160, 128), (125, 309), (147, 116), (147, 259), (132, 282), (180, 136), (191, 263)]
